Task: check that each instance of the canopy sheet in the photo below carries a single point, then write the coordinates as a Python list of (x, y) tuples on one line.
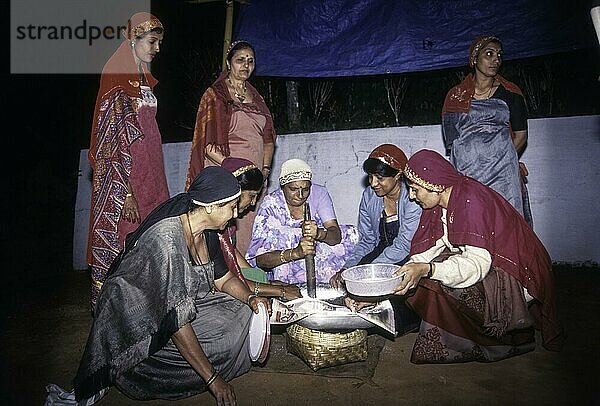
[(328, 38)]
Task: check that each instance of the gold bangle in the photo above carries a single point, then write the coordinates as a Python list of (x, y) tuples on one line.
[(282, 291), (282, 256), (256, 288), (291, 251), (129, 195)]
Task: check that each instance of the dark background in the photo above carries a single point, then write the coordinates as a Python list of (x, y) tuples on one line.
[(48, 119)]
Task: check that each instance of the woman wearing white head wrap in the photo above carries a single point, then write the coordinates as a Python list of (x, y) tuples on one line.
[(281, 237)]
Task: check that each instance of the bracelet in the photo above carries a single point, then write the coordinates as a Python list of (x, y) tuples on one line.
[(324, 235), (282, 292), (212, 378), (430, 273), (129, 195), (282, 256), (267, 167), (250, 296), (256, 288)]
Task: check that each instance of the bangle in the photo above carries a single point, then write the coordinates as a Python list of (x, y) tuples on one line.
[(267, 167), (282, 292), (282, 256), (212, 378), (324, 235), (129, 195), (250, 296), (430, 273), (256, 288)]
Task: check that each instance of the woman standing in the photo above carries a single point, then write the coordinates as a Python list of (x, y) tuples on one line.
[(484, 123), (234, 120), (125, 154)]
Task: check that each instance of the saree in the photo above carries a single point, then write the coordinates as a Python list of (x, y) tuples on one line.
[(214, 124), (275, 229), (477, 134), (125, 148), (153, 293), (478, 216)]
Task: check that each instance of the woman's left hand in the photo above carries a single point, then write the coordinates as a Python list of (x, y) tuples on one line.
[(223, 392), (413, 272), (310, 229), (130, 211)]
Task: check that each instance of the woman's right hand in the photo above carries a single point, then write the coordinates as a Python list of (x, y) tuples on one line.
[(356, 305), (306, 246), (223, 392), (290, 292)]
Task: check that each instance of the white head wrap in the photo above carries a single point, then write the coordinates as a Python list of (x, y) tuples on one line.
[(294, 169)]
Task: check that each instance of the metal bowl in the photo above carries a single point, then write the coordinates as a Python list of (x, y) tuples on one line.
[(372, 279)]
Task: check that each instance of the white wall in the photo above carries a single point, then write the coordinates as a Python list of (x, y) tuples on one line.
[(562, 157)]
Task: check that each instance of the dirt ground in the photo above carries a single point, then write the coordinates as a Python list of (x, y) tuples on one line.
[(46, 327)]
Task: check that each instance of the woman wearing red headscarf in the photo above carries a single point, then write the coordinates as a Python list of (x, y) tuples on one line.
[(492, 284), (234, 120), (125, 153), (484, 124)]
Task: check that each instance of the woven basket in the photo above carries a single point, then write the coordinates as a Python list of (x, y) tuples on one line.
[(320, 349)]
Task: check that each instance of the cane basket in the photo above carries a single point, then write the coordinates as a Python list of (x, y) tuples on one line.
[(319, 349)]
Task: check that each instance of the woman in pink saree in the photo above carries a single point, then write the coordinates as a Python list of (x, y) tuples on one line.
[(125, 153)]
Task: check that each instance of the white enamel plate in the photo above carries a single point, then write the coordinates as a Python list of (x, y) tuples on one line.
[(259, 334)]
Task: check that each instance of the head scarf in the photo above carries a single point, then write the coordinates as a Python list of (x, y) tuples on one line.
[(141, 23), (120, 71), (294, 169), (390, 155), (213, 185), (478, 44), (237, 166), (458, 99), (478, 216), (430, 170)]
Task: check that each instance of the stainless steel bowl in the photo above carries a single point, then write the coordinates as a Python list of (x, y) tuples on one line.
[(372, 279)]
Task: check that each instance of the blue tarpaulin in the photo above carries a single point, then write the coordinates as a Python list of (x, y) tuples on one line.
[(328, 38)]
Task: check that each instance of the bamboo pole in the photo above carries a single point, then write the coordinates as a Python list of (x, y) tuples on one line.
[(228, 31)]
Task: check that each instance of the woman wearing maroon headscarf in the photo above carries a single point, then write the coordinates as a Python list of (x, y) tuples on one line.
[(492, 284), (125, 153), (484, 124), (251, 182)]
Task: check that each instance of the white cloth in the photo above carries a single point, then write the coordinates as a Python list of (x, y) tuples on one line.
[(294, 169), (469, 266)]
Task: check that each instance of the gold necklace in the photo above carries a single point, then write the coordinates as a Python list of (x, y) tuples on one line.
[(240, 97), (487, 93)]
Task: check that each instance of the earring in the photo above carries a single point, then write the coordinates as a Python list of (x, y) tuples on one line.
[(132, 44), (228, 66)]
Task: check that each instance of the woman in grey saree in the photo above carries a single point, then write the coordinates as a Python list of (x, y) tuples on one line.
[(171, 320)]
